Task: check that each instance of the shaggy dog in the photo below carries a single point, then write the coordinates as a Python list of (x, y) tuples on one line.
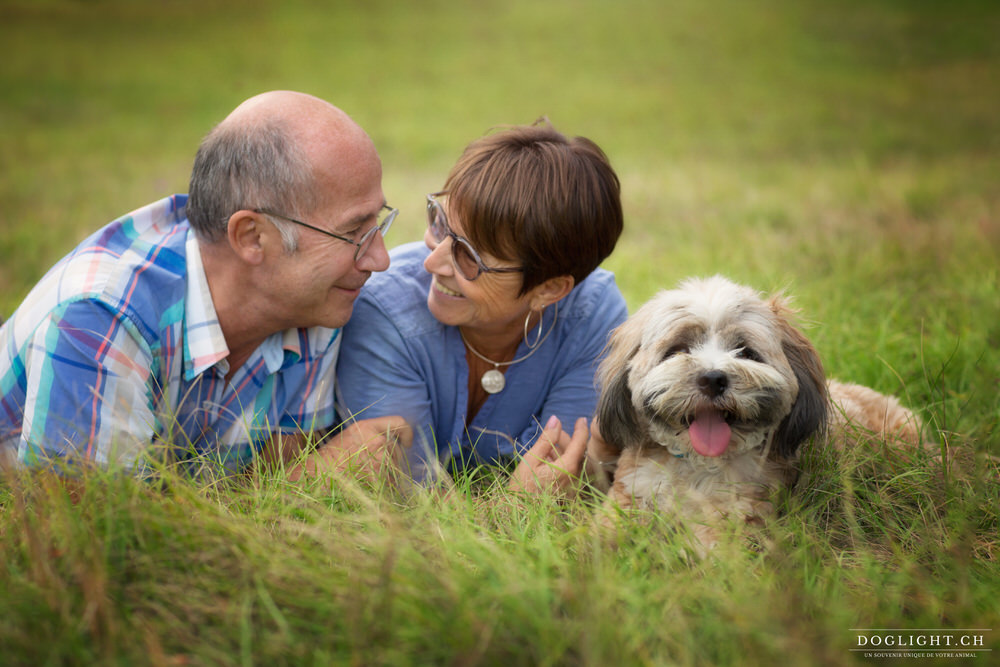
[(708, 392)]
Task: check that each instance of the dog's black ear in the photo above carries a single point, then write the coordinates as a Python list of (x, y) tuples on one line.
[(616, 416), (808, 415)]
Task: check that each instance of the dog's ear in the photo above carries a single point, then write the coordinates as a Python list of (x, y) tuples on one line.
[(808, 415), (616, 415)]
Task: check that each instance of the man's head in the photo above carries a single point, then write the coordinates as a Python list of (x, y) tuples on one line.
[(297, 158), (267, 154)]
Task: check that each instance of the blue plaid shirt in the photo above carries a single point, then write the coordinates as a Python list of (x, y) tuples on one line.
[(118, 348)]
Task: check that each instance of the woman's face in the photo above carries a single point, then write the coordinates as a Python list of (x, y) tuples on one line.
[(490, 305)]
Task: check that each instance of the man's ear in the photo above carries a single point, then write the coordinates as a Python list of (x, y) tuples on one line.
[(245, 232), (551, 290)]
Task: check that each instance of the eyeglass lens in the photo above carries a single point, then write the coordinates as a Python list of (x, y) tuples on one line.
[(464, 256), (381, 227)]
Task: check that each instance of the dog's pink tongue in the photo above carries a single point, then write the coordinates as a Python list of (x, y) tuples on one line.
[(709, 433)]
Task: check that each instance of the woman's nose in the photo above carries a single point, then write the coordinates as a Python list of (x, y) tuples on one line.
[(438, 261)]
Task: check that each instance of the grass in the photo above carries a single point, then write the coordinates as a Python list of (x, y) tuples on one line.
[(268, 572), (843, 152)]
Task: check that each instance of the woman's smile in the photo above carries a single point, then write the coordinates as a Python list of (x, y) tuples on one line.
[(444, 290)]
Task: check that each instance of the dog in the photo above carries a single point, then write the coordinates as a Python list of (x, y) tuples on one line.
[(707, 393)]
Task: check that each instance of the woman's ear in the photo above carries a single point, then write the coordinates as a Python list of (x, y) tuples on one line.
[(244, 233), (550, 291)]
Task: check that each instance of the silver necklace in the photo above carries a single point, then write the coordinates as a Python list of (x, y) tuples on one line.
[(493, 380)]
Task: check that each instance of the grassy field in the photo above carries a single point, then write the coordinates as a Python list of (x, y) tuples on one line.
[(844, 152)]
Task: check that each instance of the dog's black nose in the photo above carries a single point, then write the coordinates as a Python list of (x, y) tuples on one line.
[(713, 383)]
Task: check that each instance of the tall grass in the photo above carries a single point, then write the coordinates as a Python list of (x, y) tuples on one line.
[(845, 153), (268, 572)]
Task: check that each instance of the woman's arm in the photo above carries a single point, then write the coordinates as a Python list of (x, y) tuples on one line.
[(573, 394), (554, 459)]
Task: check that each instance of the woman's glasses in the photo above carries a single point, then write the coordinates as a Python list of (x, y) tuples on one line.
[(463, 255)]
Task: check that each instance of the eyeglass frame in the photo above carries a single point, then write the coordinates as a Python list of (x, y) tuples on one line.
[(433, 207), (381, 227)]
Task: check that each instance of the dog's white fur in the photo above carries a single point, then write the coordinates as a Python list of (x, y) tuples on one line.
[(708, 351)]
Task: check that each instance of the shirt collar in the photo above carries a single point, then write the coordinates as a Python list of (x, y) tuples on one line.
[(204, 344)]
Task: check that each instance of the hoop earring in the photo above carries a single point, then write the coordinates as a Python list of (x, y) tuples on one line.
[(538, 332)]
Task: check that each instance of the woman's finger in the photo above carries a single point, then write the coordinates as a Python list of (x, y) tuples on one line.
[(572, 458)]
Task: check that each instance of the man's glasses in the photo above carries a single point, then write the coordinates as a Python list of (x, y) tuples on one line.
[(362, 245), (463, 255)]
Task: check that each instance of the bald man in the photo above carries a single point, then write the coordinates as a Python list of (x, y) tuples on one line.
[(206, 327)]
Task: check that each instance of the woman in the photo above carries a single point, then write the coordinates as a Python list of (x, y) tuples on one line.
[(493, 325)]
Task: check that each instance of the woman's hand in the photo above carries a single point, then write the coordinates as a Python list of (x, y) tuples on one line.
[(554, 462)]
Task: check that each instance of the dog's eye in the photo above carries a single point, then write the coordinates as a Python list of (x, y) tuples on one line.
[(674, 350), (749, 354)]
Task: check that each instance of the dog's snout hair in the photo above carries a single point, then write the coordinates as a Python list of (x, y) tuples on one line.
[(713, 383)]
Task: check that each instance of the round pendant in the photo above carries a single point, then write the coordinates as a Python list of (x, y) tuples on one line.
[(493, 381)]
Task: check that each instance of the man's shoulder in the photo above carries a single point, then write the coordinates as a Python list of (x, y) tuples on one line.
[(134, 266), (139, 261), (149, 239)]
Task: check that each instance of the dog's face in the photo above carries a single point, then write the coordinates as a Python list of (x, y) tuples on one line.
[(711, 370)]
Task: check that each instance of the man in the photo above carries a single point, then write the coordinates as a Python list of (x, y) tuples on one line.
[(208, 324)]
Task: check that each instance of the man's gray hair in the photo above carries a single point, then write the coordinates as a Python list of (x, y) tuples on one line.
[(249, 166)]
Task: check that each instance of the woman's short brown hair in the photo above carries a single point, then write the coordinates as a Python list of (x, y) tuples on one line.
[(530, 195)]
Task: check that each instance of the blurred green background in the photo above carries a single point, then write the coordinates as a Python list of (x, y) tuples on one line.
[(845, 151), (104, 102)]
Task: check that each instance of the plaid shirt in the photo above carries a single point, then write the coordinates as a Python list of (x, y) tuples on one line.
[(119, 347)]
